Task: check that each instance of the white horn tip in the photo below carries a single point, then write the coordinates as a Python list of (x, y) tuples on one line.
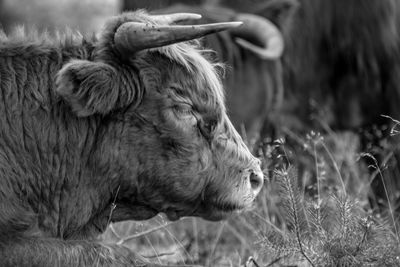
[(193, 16), (236, 23), (228, 25)]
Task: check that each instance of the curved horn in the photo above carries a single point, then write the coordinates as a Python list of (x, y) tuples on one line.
[(136, 36), (260, 36), (176, 17)]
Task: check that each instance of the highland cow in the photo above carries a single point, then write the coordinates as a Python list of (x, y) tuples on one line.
[(116, 128)]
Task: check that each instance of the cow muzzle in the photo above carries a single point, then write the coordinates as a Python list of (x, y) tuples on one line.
[(255, 180)]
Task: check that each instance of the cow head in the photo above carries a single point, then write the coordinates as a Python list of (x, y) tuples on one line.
[(164, 137)]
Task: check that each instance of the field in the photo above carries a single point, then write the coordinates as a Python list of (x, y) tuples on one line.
[(328, 200), (318, 208)]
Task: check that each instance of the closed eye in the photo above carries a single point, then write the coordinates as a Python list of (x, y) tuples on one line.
[(183, 109)]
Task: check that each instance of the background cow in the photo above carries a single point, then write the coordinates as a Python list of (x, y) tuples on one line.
[(100, 131), (345, 55), (342, 71)]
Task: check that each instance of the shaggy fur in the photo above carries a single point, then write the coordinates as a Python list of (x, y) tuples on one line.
[(82, 125)]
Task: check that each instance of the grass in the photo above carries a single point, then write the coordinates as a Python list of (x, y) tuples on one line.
[(318, 209)]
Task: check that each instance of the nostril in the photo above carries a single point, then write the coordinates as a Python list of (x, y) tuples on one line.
[(256, 181)]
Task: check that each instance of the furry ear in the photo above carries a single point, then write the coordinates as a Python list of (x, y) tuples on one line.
[(96, 87)]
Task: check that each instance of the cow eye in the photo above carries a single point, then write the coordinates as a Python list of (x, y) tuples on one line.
[(183, 110), (207, 127)]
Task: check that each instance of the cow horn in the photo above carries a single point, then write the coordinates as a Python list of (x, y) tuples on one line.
[(260, 36), (176, 17), (135, 36)]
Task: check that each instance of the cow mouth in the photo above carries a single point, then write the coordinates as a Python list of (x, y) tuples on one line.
[(222, 210), (219, 210), (227, 206)]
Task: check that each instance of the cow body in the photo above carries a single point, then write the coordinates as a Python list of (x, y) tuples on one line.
[(91, 135)]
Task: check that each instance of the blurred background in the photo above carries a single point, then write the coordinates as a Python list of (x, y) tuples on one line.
[(86, 16), (323, 116)]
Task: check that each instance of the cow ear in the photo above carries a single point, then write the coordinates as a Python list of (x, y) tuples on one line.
[(95, 87), (280, 12)]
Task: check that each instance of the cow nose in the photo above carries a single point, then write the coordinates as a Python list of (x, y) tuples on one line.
[(256, 181)]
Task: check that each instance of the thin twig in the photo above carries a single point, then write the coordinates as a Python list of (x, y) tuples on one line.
[(114, 232), (125, 239), (393, 130), (182, 247), (361, 242), (390, 205), (378, 169), (318, 186), (335, 166), (251, 260), (385, 160), (220, 230), (268, 222), (113, 206), (275, 261), (153, 248), (159, 255)]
